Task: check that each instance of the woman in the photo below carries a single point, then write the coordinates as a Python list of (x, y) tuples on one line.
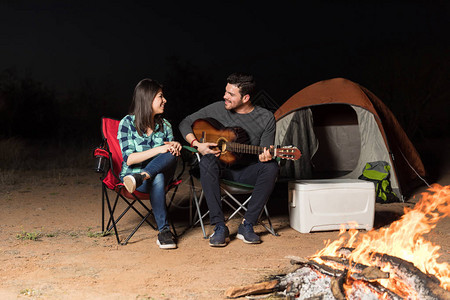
[(149, 152)]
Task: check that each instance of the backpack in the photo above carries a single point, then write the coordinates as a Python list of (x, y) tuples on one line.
[(378, 173)]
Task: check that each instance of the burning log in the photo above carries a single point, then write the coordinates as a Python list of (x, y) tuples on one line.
[(402, 271), (324, 269), (337, 286), (361, 273), (346, 281), (426, 286)]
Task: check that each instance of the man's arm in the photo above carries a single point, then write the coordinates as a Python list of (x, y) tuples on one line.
[(185, 128), (185, 125), (203, 148), (268, 138)]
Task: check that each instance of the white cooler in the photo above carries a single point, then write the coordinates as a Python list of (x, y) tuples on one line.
[(325, 204)]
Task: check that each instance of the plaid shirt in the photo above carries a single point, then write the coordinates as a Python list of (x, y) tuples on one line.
[(130, 141)]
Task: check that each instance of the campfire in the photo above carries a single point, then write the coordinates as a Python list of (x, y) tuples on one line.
[(396, 262)]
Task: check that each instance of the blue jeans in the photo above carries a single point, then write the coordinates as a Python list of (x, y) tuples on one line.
[(261, 175), (161, 168)]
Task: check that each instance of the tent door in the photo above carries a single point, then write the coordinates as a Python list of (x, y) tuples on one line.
[(337, 130)]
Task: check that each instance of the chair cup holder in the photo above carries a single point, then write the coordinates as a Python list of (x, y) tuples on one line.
[(100, 164)]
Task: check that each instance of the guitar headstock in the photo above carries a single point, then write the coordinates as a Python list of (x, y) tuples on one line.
[(288, 152)]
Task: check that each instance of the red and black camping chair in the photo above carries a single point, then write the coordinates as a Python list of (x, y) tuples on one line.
[(109, 163)]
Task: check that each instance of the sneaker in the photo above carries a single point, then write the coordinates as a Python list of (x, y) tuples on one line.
[(220, 237), (132, 182), (165, 239), (246, 233)]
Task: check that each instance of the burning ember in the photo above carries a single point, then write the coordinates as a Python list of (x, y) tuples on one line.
[(390, 263)]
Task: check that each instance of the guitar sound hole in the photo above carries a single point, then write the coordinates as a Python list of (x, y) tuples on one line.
[(222, 144)]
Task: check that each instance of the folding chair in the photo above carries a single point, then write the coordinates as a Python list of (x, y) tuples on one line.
[(109, 162), (229, 189)]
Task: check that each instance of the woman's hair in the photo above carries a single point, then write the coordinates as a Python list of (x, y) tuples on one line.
[(141, 106), (245, 82)]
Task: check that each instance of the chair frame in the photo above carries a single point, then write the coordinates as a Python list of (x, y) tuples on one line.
[(111, 182), (228, 189)]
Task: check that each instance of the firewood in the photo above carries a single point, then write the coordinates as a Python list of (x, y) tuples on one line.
[(360, 271), (326, 270), (371, 274), (252, 289), (427, 286), (366, 273), (345, 263), (381, 290), (337, 286), (296, 260)]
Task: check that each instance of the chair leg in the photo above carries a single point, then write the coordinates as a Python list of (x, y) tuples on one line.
[(198, 213), (197, 202), (111, 217), (242, 206), (270, 227), (103, 207), (168, 208), (108, 225), (125, 241), (130, 204)]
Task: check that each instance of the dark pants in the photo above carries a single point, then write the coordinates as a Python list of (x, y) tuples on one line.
[(261, 175)]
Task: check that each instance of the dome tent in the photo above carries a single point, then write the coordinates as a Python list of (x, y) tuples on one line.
[(340, 126)]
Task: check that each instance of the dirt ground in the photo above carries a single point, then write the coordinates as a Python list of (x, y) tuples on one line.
[(69, 260)]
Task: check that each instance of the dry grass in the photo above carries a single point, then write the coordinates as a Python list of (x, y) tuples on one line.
[(52, 160)]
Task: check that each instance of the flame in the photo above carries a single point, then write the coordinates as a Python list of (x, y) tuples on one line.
[(403, 238)]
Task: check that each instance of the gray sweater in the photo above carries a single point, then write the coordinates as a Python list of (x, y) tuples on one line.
[(259, 124)]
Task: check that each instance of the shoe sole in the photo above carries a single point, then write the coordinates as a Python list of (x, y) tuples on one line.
[(130, 183), (241, 237), (227, 240), (169, 246)]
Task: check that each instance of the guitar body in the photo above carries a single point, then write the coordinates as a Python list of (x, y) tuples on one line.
[(233, 143), (209, 130)]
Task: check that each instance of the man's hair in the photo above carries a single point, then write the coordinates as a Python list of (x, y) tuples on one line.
[(245, 82)]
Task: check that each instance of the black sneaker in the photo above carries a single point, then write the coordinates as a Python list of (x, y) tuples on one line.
[(246, 233), (220, 237), (165, 239), (132, 182)]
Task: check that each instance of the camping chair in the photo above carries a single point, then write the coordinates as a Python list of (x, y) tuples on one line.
[(229, 191), (109, 162)]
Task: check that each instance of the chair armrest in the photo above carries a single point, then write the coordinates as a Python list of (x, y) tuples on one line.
[(191, 149)]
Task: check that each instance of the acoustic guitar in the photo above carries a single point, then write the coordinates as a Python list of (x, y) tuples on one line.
[(232, 142)]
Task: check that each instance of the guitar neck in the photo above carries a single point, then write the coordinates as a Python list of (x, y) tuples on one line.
[(247, 149)]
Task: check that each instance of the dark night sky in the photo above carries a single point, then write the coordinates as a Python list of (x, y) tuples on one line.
[(286, 44)]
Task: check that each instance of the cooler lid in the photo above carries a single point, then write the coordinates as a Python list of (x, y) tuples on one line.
[(317, 184)]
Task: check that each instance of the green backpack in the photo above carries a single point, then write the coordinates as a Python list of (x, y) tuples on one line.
[(378, 173)]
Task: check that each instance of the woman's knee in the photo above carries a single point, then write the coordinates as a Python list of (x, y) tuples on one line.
[(169, 157)]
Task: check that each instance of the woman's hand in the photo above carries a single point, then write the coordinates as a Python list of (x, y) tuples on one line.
[(172, 147)]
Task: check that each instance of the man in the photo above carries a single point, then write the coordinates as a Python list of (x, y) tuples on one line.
[(259, 124)]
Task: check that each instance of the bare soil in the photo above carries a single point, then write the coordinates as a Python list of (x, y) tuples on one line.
[(69, 260)]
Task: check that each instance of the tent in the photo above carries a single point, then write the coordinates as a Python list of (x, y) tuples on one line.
[(339, 126)]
